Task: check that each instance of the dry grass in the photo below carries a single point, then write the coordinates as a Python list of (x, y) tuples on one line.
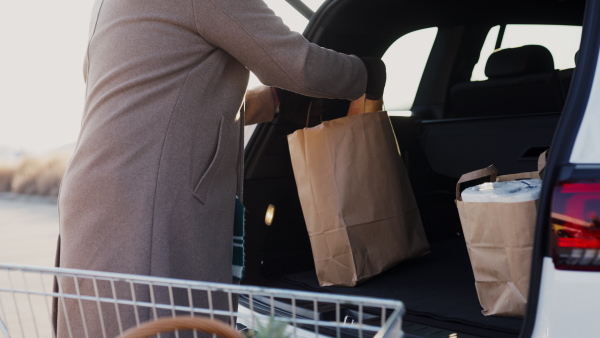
[(35, 175), (7, 172)]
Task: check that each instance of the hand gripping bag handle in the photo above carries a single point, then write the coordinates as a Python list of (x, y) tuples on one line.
[(474, 175), (359, 106), (363, 105)]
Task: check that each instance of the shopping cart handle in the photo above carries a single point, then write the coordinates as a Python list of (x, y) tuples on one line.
[(168, 324)]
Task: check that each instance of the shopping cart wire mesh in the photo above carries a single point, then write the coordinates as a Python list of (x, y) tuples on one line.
[(120, 301)]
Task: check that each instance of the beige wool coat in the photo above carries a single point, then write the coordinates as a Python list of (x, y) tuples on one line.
[(152, 185)]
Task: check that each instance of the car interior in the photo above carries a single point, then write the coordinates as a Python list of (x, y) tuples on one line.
[(456, 125)]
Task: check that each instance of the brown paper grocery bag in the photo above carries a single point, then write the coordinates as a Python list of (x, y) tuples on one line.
[(499, 239), (357, 201)]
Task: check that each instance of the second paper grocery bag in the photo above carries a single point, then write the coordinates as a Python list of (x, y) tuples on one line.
[(357, 201), (498, 220)]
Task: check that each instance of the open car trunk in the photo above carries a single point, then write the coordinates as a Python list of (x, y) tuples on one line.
[(438, 289), (439, 142)]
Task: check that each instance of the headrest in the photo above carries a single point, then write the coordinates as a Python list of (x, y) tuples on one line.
[(520, 60)]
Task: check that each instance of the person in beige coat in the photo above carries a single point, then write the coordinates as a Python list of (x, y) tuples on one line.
[(152, 185)]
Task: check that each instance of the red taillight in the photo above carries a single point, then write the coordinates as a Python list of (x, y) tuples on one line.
[(584, 243), (575, 225)]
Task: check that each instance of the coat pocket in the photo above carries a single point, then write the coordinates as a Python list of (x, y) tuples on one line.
[(203, 185)]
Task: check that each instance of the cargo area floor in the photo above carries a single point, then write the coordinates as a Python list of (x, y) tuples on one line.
[(437, 289)]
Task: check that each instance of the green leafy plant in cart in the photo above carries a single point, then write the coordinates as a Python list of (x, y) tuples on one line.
[(272, 329)]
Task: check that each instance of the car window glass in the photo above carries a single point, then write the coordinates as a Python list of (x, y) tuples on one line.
[(405, 60), (486, 51), (561, 41)]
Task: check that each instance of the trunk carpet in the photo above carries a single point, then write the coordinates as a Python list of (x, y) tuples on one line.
[(437, 289)]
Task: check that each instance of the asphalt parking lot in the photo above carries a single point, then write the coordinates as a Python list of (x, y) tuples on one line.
[(29, 228)]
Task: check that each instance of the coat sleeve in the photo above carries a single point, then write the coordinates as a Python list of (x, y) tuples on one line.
[(250, 32)]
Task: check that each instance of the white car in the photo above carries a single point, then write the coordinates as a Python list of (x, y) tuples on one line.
[(454, 109)]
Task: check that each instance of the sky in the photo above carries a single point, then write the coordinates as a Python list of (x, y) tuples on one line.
[(41, 69), (41, 79)]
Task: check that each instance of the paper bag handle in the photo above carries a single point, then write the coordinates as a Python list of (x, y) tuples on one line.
[(474, 175), (363, 105), (542, 163), (539, 174), (308, 113)]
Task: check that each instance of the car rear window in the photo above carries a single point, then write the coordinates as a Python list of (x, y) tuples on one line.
[(562, 41)]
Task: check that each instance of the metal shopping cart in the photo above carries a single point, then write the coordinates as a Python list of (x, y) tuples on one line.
[(26, 298)]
